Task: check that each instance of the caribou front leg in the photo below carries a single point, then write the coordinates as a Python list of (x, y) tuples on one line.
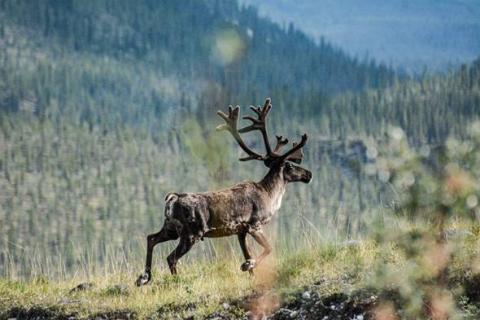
[(261, 240), (249, 262)]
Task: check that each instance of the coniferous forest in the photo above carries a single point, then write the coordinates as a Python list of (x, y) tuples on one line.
[(106, 106)]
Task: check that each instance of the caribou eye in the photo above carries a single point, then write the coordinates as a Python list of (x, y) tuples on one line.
[(288, 165)]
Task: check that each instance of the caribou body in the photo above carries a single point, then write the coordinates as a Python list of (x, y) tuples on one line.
[(239, 210)]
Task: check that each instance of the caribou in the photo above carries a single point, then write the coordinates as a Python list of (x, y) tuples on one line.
[(242, 209)]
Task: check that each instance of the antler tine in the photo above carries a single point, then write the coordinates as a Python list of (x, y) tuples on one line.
[(231, 121), (280, 143), (260, 124), (295, 154)]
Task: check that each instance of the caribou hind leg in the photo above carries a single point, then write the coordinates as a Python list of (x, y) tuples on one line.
[(163, 235), (185, 244)]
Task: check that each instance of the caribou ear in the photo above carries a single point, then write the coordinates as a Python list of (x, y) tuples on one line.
[(297, 156)]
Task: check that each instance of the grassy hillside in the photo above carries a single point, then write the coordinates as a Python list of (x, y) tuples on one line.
[(200, 290), (345, 281), (107, 106)]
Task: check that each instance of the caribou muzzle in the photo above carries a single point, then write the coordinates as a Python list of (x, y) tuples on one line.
[(307, 177)]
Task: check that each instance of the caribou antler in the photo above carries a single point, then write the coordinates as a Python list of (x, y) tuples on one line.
[(280, 143), (260, 123), (295, 154), (230, 125)]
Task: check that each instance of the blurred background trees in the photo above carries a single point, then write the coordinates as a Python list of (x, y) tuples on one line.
[(105, 106)]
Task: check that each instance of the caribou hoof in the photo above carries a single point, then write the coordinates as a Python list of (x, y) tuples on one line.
[(248, 265), (143, 279)]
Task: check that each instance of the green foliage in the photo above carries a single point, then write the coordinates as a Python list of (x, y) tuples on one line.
[(438, 189), (207, 150), (435, 183)]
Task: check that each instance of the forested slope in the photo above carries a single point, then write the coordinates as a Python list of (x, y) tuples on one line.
[(108, 105), (104, 61), (429, 109)]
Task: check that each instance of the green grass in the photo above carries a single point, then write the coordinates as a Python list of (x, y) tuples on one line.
[(206, 286), (202, 287)]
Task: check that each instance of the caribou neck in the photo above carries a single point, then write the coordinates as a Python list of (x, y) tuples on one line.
[(274, 183)]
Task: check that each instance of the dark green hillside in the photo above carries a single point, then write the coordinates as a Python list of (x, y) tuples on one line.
[(429, 109), (149, 63), (134, 60)]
